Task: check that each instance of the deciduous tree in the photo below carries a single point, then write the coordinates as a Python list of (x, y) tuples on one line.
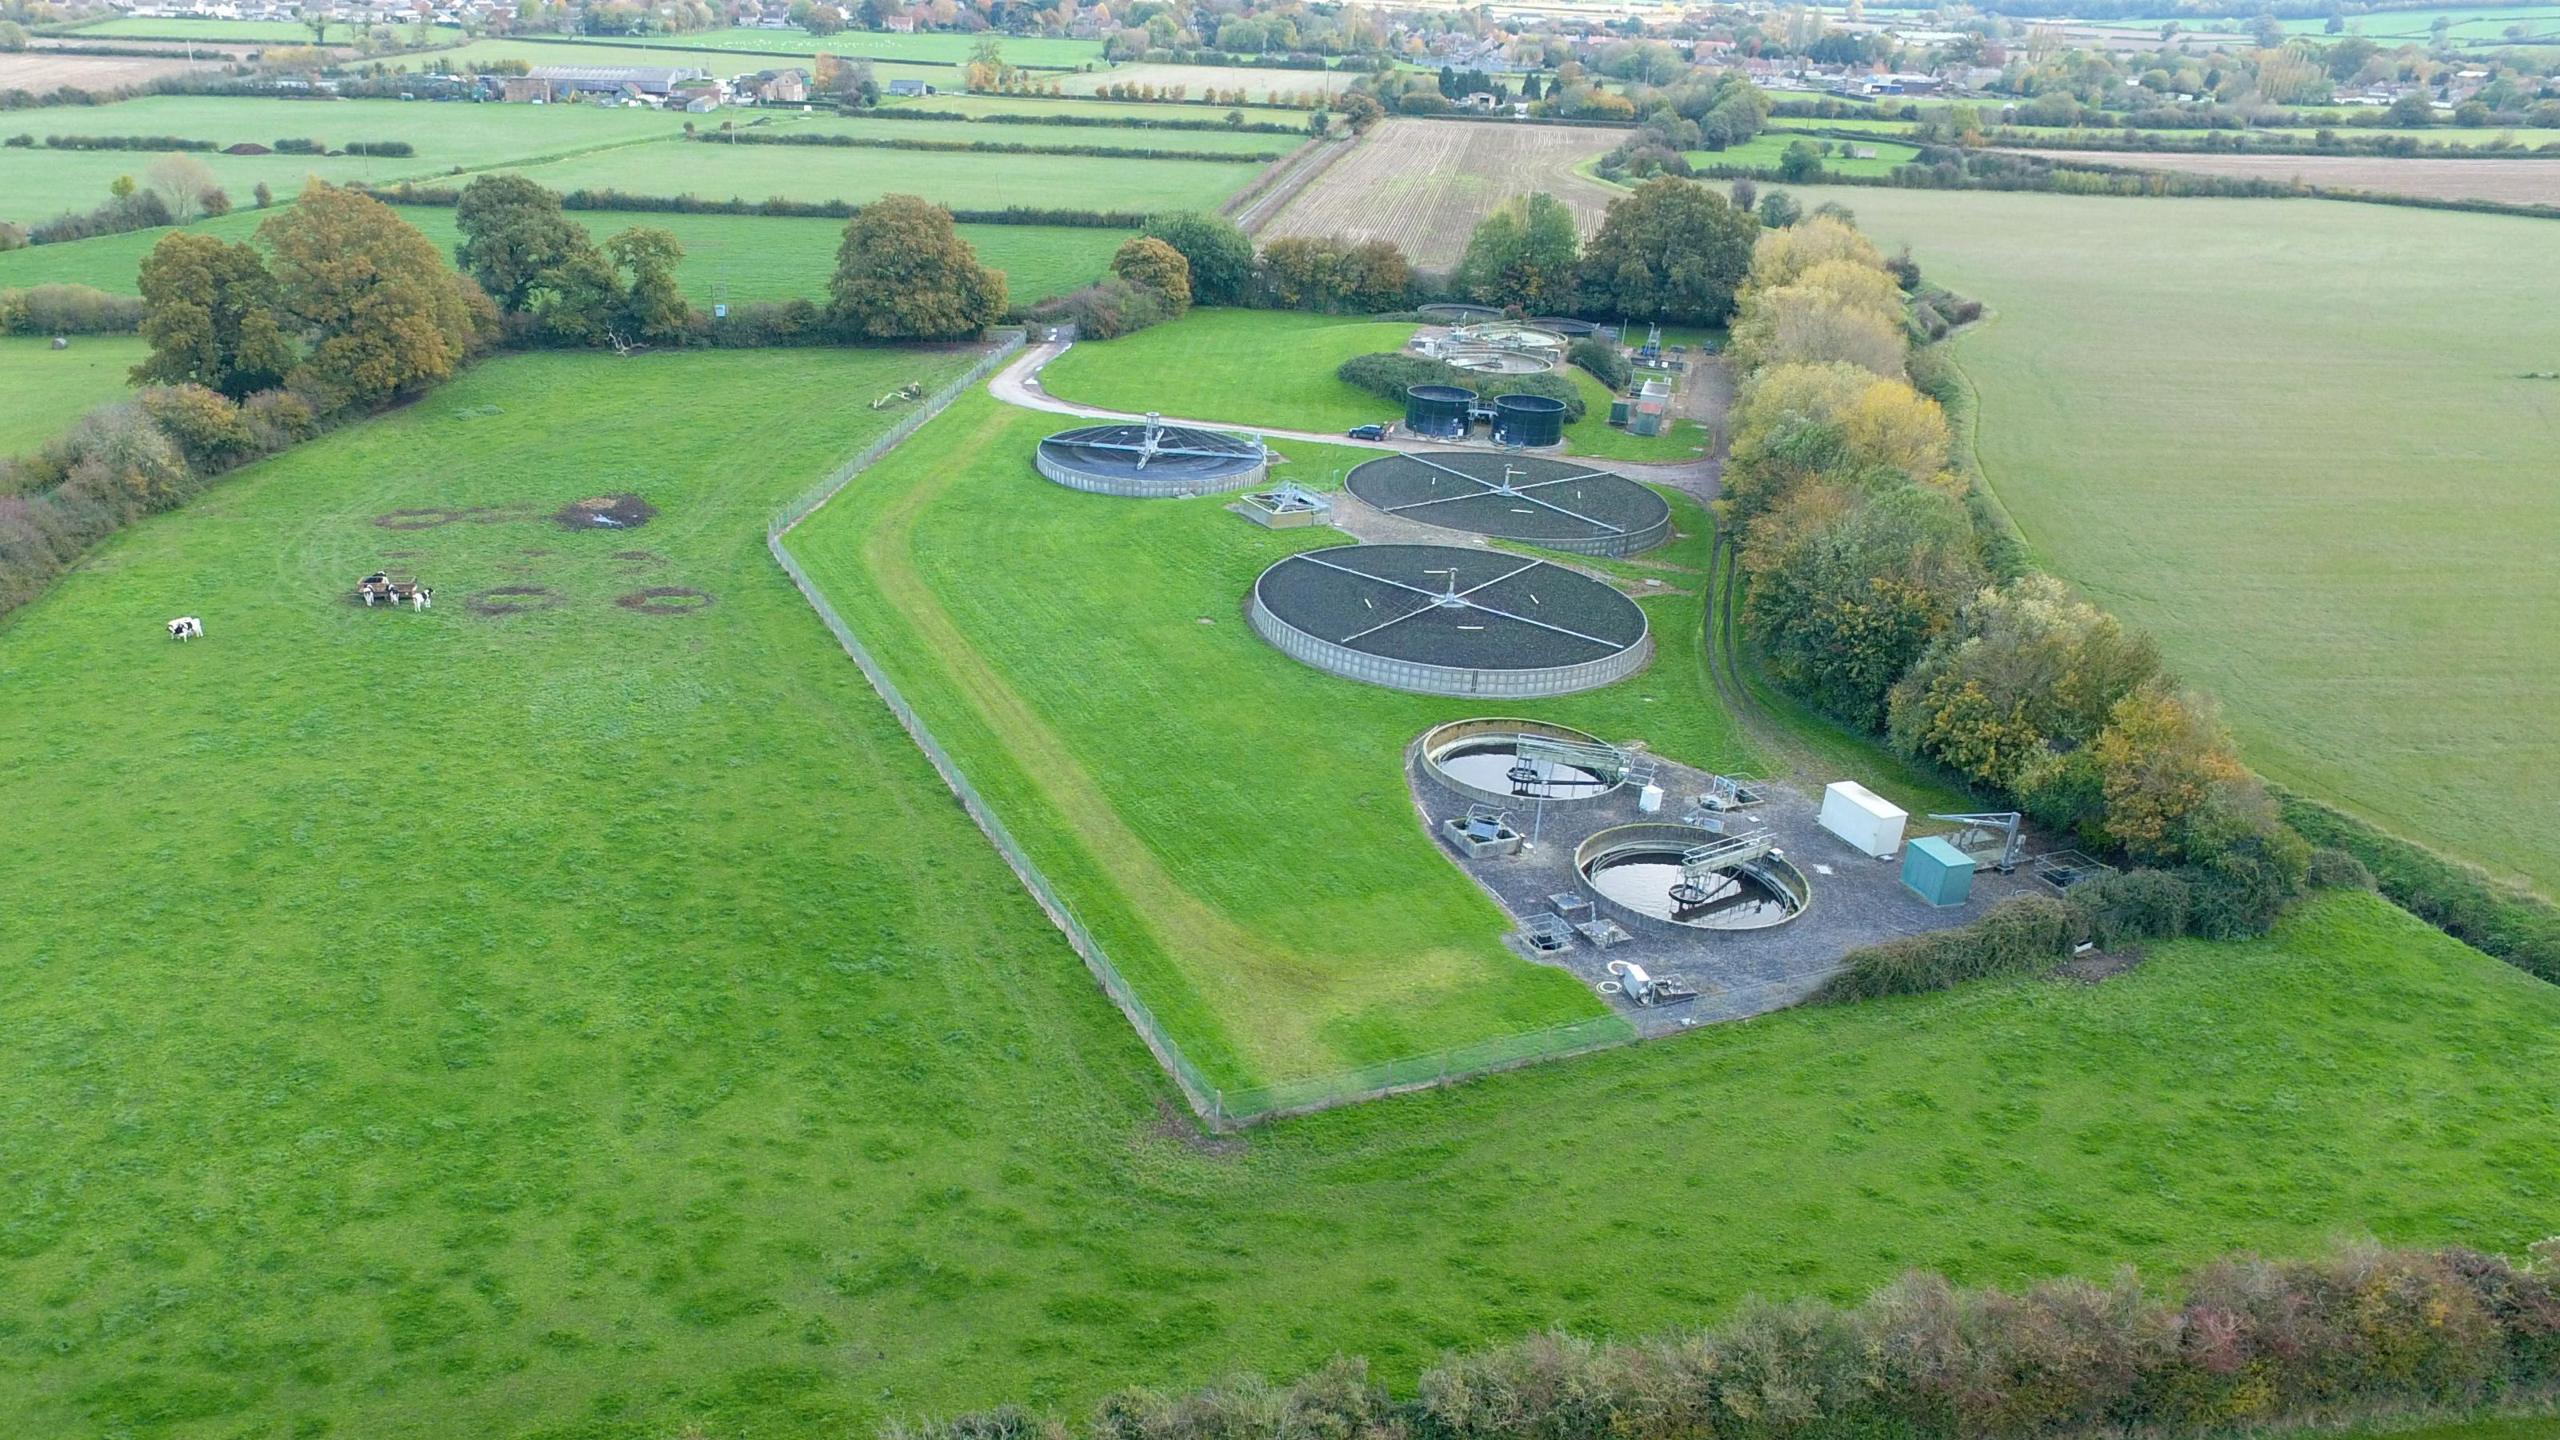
[(652, 306), (211, 317), (513, 231), (1671, 251), (903, 273), (1156, 267), (386, 316), (1220, 257), (1525, 253)]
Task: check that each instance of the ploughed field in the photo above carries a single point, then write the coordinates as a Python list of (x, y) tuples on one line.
[(1423, 184), (553, 1014), (2334, 516)]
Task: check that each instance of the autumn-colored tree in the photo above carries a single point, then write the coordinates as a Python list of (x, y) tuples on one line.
[(1324, 274), (1672, 251), (1780, 256), (2161, 760), (1156, 267), (2030, 668), (1846, 589), (652, 306), (903, 273), (1359, 111), (1836, 423), (210, 315), (387, 318)]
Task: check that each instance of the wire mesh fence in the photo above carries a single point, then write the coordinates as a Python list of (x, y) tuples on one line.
[(1221, 1108)]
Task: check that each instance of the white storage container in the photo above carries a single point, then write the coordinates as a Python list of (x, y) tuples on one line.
[(1649, 799), (1862, 817)]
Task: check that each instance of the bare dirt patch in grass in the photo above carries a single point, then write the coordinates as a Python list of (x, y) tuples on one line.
[(514, 600), (1423, 184), (666, 600), (616, 512)]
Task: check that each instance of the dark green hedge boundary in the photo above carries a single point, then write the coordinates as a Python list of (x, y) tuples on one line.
[(2463, 901), (447, 196), (988, 147), (1096, 122)]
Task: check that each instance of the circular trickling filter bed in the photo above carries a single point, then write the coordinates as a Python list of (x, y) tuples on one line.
[(666, 600), (1505, 759), (1443, 620), (1151, 460), (1558, 504), (1643, 869), (513, 600), (605, 512)]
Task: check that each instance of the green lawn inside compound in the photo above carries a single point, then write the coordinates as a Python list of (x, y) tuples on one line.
[(1234, 824), (736, 258), (1276, 368), (47, 390), (961, 181), (1238, 367), (2335, 518), (587, 1022)]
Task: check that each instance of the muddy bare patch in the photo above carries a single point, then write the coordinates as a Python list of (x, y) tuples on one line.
[(2099, 966), (640, 557), (665, 600), (1175, 1125), (513, 600), (429, 517), (605, 512)]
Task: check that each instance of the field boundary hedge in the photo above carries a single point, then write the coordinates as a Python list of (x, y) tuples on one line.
[(986, 147), (2461, 899), (446, 197), (1220, 1108), (1091, 122)]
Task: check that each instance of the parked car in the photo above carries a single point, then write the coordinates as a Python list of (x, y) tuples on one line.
[(1368, 432)]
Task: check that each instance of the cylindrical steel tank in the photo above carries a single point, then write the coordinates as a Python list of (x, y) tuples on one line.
[(1438, 410), (1531, 420)]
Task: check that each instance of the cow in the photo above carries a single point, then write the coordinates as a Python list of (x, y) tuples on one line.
[(420, 597), (186, 627)]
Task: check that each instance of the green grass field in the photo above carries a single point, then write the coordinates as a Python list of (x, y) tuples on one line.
[(37, 184), (996, 132), (2333, 517), (1269, 367), (997, 105), (758, 172), (928, 48), (49, 389), (591, 1023), (1765, 150), (1282, 928), (230, 32), (733, 257), (557, 50)]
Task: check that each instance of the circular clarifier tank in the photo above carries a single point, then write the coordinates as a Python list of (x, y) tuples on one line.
[(1648, 875), (1501, 759)]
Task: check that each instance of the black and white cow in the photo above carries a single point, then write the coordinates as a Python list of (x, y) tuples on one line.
[(186, 627)]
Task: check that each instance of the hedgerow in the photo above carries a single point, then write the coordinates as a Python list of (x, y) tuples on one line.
[(2245, 1344), (990, 147)]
